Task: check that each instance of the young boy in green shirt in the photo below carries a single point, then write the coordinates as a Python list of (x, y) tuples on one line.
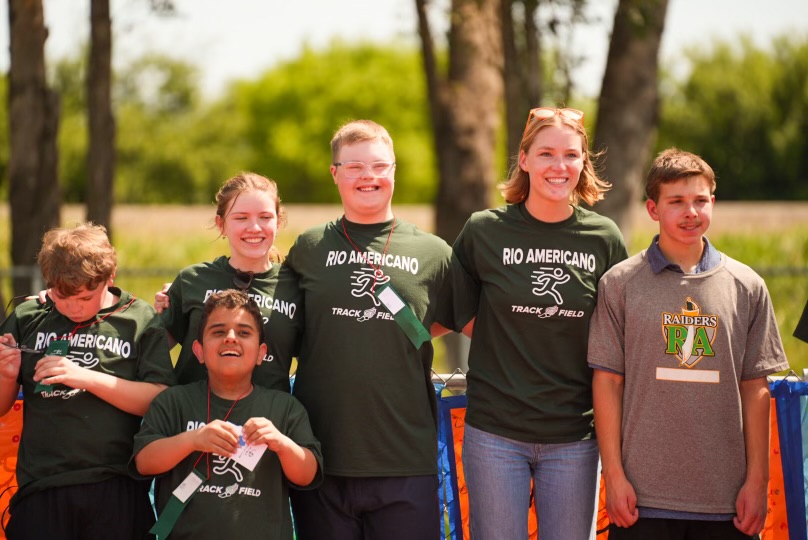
[(89, 359), (204, 433)]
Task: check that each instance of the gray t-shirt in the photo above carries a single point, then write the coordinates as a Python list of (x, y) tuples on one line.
[(684, 342)]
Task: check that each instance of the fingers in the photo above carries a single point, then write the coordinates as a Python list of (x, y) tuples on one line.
[(161, 301), (218, 437), (259, 431), (749, 523), (623, 516)]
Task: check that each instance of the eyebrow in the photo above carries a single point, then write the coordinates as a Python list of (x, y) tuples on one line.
[(213, 326)]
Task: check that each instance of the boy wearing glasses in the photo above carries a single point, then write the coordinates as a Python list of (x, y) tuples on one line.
[(89, 360), (370, 283), (680, 390), (208, 430)]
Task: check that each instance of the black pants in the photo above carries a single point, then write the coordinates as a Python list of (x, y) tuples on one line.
[(114, 509), (678, 529), (388, 508)]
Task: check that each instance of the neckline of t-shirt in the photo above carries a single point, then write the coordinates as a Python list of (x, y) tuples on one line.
[(546, 224), (381, 227), (256, 275)]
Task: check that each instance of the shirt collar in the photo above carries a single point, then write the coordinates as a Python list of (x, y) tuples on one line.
[(710, 258)]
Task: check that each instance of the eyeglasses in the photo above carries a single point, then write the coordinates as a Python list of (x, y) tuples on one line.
[(23, 348), (543, 113), (355, 169), (242, 280)]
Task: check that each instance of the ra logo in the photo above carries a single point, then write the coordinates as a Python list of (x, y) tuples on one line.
[(689, 335)]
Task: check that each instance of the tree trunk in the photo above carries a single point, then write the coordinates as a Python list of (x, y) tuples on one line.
[(522, 72), (101, 154), (629, 105), (465, 115), (34, 194)]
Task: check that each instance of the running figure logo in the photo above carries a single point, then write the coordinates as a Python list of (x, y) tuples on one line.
[(545, 281), (223, 465), (362, 283)]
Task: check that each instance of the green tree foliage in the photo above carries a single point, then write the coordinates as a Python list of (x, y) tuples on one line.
[(171, 146), (291, 112), (175, 148), (745, 110)]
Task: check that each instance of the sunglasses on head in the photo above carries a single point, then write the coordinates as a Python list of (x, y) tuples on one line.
[(544, 113), (242, 280)]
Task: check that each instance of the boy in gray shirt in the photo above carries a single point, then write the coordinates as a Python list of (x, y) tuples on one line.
[(681, 342)]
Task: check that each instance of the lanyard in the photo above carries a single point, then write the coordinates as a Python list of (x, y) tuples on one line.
[(377, 271)]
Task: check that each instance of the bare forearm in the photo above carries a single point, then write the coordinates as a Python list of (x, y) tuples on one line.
[(298, 464), (607, 395), (756, 402), (164, 454), (130, 396), (9, 390)]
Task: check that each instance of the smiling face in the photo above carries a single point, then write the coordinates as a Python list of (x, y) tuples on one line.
[(366, 199), (250, 225), (554, 163), (684, 210), (83, 305), (230, 346)]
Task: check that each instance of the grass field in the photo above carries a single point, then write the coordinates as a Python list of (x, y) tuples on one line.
[(154, 242)]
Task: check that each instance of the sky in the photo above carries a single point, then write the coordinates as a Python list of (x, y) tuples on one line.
[(238, 39)]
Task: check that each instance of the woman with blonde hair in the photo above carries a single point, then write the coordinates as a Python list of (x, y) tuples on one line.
[(524, 286)]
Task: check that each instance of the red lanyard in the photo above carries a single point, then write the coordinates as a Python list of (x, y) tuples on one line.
[(226, 416), (87, 325), (377, 271)]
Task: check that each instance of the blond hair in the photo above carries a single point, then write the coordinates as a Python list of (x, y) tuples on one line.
[(590, 188), (358, 131)]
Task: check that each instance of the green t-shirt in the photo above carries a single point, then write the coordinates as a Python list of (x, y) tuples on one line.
[(234, 502), (70, 436), (532, 286), (276, 294), (366, 388)]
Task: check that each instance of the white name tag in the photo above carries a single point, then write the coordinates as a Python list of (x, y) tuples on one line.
[(391, 300), (688, 375), (188, 486), (248, 454)]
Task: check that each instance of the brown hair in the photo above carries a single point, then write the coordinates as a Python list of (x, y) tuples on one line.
[(358, 131), (231, 299), (74, 258), (590, 188), (246, 182), (672, 165)]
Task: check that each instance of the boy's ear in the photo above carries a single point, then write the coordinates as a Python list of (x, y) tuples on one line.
[(650, 205), (197, 348), (262, 352), (333, 170)]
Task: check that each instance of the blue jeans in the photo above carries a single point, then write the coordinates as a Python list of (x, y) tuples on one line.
[(498, 472)]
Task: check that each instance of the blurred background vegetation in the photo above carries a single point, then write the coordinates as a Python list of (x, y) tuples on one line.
[(743, 108)]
